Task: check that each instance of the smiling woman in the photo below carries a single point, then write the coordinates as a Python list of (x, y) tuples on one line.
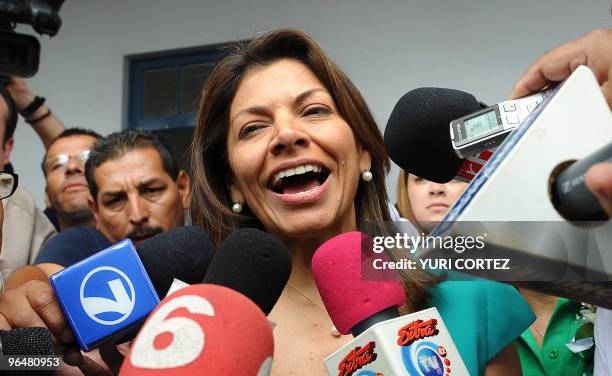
[(283, 121), (238, 115), (285, 142), (285, 136)]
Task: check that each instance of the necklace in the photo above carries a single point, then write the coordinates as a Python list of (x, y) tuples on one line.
[(334, 331), (305, 296)]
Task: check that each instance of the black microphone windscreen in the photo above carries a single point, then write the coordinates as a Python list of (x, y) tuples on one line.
[(253, 263), (417, 135), (183, 253), (27, 341)]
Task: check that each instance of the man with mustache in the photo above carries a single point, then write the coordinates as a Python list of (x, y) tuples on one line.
[(137, 191)]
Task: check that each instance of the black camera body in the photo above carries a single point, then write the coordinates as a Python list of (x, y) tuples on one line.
[(20, 53)]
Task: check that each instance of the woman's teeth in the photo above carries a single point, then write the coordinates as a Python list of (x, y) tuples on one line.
[(296, 171)]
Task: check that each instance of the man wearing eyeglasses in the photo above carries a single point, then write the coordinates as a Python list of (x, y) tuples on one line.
[(66, 190)]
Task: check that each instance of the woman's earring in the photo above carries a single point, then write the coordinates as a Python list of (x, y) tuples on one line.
[(366, 175), (237, 207)]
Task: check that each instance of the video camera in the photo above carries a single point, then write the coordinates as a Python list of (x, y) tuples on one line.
[(20, 53)]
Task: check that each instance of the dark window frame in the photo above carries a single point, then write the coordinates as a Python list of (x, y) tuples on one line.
[(139, 64)]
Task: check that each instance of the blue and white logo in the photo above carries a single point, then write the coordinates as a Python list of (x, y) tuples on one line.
[(104, 296), (422, 358)]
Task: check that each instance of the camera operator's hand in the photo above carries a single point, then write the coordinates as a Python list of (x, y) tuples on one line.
[(21, 93), (45, 124), (593, 50)]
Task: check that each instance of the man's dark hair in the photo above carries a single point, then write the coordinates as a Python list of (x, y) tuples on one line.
[(118, 144), (65, 134), (11, 119)]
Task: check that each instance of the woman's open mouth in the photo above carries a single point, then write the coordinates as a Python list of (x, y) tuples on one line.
[(300, 184)]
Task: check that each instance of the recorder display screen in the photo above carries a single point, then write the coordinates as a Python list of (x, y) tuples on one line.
[(482, 124)]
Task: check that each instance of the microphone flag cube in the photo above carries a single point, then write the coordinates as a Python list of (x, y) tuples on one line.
[(415, 344), (105, 296)]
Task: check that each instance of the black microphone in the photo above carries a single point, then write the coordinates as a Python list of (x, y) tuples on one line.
[(417, 135), (568, 193), (226, 330), (26, 341), (253, 263), (183, 253)]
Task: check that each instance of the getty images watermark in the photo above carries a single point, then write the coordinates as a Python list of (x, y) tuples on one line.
[(499, 250), (410, 243)]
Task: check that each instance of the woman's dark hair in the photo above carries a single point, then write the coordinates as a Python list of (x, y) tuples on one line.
[(210, 169)]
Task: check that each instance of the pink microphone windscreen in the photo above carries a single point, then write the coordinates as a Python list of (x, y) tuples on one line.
[(336, 268)]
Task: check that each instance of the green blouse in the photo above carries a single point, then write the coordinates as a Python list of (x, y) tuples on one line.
[(554, 358), (483, 318)]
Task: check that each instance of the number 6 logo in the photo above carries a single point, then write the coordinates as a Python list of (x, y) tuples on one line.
[(188, 338), (233, 338)]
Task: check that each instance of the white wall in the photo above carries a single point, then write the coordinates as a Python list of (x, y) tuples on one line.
[(386, 47)]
